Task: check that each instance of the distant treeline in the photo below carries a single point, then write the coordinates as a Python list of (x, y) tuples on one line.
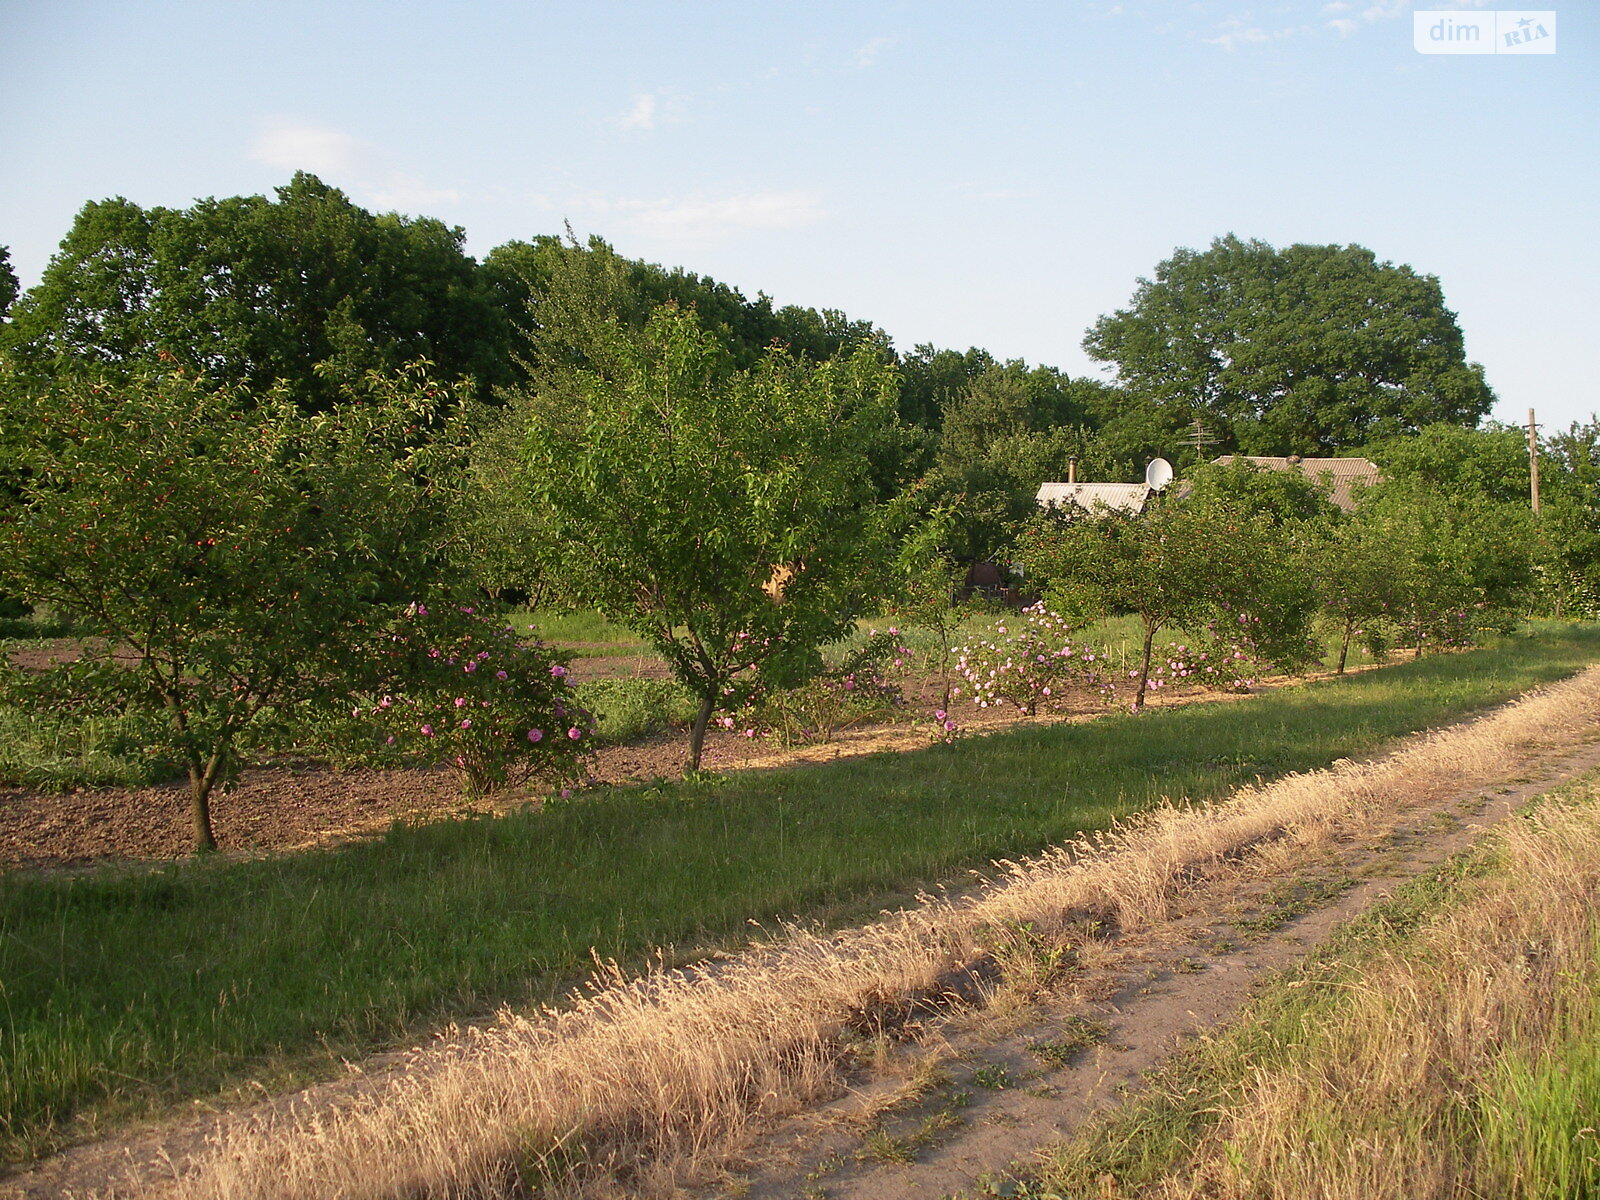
[(1308, 350)]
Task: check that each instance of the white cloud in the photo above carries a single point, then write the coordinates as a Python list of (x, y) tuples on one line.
[(643, 113), (651, 110), (1240, 35), (867, 56), (308, 148), (1344, 26), (345, 162), (704, 219)]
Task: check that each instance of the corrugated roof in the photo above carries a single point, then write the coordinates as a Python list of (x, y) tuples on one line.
[(1341, 474), (1123, 497)]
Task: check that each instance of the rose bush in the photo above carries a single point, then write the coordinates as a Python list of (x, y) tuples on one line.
[(469, 692)]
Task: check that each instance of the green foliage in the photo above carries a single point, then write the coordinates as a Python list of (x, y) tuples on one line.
[(222, 550), (1440, 567), (1208, 565), (1005, 431), (1491, 462), (727, 516), (8, 282), (855, 691), (561, 293), (1304, 350), (306, 289)]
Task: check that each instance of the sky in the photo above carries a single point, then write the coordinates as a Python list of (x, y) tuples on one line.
[(996, 175)]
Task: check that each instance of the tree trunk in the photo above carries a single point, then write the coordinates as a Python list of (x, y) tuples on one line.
[(205, 838), (1344, 650), (697, 734), (201, 778), (1144, 665)]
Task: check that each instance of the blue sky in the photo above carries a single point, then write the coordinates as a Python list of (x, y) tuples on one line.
[(995, 175)]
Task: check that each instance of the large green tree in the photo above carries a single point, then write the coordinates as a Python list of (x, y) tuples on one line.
[(306, 289), (729, 516), (224, 552), (545, 285), (1302, 350)]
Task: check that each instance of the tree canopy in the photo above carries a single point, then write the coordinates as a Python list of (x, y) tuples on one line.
[(1303, 350), (226, 553), (727, 515), (306, 289)]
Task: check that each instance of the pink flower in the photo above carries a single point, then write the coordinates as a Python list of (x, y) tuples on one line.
[(355, 712), (535, 735), (427, 731), (466, 724), (500, 675), (557, 671), (574, 733), (461, 701)]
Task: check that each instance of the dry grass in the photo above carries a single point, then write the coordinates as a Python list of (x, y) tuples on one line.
[(642, 1082), (1461, 1061)]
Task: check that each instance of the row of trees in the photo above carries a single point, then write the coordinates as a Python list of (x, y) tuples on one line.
[(1246, 561), (221, 453)]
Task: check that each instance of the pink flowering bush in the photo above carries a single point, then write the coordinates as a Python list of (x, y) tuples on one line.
[(1211, 665), (470, 693), (1028, 660)]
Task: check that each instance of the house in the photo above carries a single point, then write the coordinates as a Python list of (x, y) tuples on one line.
[(1119, 497), (1343, 476)]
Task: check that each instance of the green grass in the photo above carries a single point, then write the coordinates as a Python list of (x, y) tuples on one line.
[(125, 991), (626, 708), (582, 629), (53, 753)]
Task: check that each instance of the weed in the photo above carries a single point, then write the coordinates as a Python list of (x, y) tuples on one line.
[(994, 1076), (1076, 1033)]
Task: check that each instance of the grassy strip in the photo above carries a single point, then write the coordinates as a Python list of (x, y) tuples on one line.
[(1447, 1043), (125, 991)]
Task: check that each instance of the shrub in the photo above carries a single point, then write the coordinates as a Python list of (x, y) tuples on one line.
[(471, 694)]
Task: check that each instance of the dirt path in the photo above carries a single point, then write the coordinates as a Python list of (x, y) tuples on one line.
[(951, 1114)]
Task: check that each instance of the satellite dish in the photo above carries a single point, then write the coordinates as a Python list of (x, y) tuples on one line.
[(1158, 474)]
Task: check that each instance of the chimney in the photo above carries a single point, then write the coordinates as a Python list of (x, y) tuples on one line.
[(1072, 470)]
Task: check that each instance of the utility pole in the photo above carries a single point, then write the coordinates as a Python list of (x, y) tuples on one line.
[(1533, 460)]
